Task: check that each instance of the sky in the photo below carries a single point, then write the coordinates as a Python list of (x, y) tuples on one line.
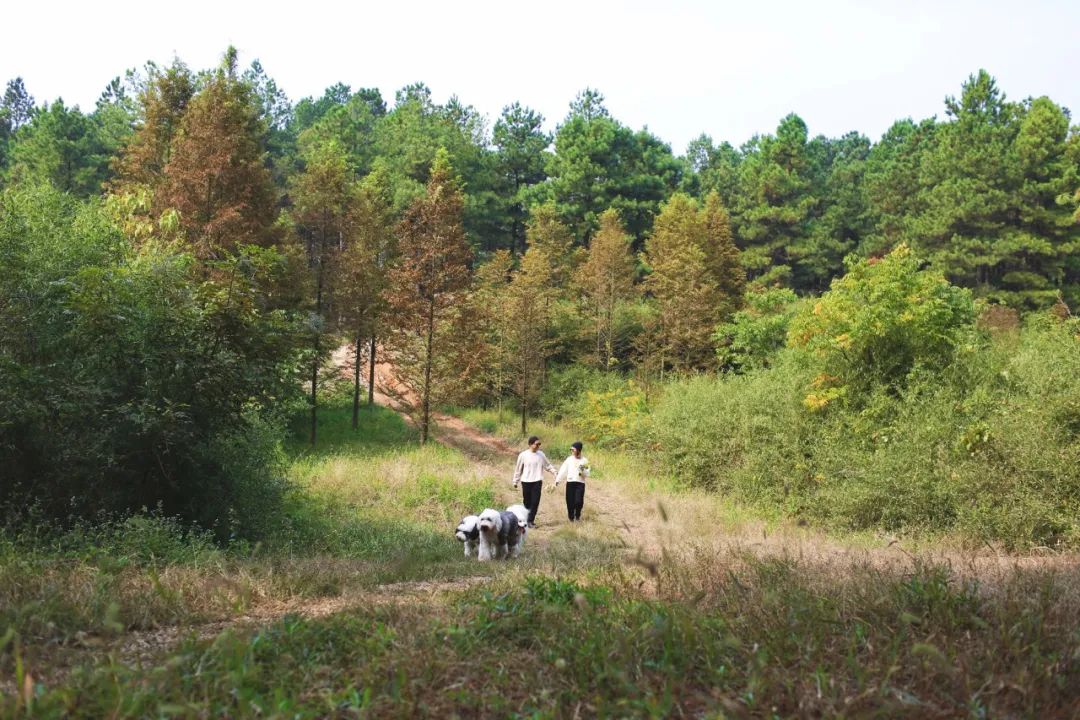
[(680, 67)]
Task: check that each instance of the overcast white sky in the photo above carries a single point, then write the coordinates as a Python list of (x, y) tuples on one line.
[(681, 67)]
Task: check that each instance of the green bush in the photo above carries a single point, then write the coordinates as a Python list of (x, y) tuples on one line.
[(133, 377), (757, 332), (986, 447), (879, 322)]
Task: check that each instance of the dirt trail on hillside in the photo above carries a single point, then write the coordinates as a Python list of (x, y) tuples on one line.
[(652, 524), (631, 518)]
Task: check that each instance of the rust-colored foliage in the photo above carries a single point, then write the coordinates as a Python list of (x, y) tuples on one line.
[(431, 337), (216, 176)]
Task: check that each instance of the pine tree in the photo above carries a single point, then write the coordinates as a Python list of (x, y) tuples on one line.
[(680, 281), (606, 279), (427, 292)]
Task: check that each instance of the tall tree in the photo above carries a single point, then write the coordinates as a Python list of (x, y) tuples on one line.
[(774, 204), (521, 152), (17, 107), (324, 197), (606, 280), (162, 103), (63, 146), (525, 318), (680, 281), (489, 297), (721, 257), (364, 264), (600, 163), (427, 289), (217, 176), (989, 188)]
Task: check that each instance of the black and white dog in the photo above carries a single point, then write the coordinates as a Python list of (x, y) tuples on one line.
[(468, 533), (510, 535)]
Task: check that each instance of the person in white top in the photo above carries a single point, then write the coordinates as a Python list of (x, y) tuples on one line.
[(574, 470), (529, 471)]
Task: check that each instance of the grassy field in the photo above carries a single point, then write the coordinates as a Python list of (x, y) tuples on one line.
[(580, 627)]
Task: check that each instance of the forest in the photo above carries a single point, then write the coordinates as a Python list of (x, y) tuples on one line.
[(829, 386)]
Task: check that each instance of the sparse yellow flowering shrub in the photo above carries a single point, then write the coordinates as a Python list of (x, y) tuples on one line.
[(613, 417)]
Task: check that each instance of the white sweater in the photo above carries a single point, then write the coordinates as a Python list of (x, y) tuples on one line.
[(530, 467), (572, 470)]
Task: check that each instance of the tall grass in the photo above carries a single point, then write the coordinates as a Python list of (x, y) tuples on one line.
[(366, 506), (723, 634)]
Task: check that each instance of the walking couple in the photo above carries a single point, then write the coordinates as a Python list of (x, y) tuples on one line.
[(529, 471)]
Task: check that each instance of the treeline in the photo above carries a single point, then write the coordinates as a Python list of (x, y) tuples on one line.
[(988, 193), (176, 262)]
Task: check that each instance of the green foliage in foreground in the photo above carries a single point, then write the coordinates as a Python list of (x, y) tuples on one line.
[(752, 638), (369, 506)]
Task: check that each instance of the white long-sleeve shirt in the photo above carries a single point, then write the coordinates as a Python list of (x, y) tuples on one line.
[(530, 467), (573, 470)]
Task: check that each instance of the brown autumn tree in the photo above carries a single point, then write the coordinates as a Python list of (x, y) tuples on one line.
[(525, 312), (162, 104), (430, 334), (685, 291), (216, 176), (489, 296), (722, 257), (606, 280)]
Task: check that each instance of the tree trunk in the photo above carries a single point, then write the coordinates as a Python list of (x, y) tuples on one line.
[(314, 389), (371, 372), (425, 401), (317, 343), (524, 394), (356, 384)]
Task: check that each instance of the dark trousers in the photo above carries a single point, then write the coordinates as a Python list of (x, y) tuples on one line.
[(575, 499), (530, 496)]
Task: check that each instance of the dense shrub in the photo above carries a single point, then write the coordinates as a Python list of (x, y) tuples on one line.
[(988, 447), (133, 377), (605, 407), (757, 332), (877, 323)]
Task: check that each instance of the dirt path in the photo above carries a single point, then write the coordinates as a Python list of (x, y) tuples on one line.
[(628, 517), (643, 523)]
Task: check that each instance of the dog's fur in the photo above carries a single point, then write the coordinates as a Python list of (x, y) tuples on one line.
[(522, 514), (509, 535), (490, 526), (468, 534)]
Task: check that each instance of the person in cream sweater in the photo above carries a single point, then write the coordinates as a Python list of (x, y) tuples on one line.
[(574, 470)]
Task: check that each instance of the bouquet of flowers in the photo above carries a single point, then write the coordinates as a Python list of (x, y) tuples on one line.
[(583, 470)]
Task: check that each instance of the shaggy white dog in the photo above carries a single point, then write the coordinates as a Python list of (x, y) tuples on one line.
[(469, 534), (489, 525), (522, 514)]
